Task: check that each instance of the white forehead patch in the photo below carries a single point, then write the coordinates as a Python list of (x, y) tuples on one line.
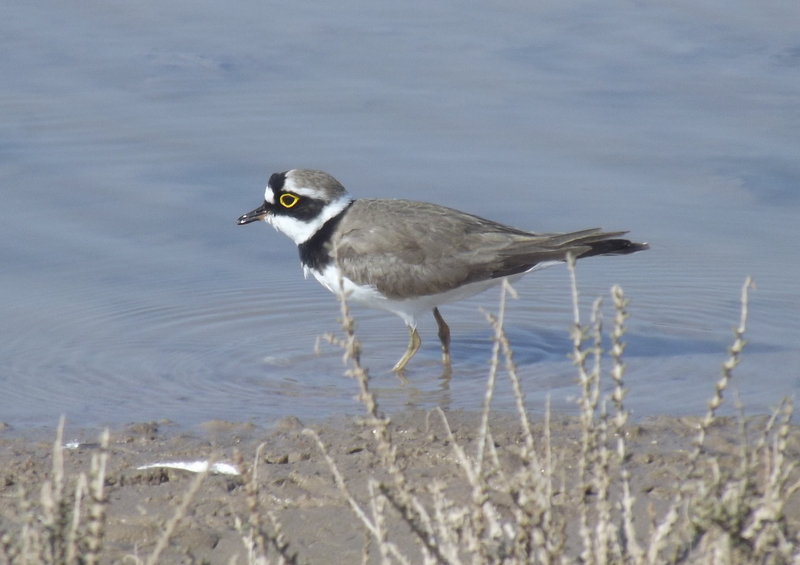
[(291, 185), (310, 192), (268, 196)]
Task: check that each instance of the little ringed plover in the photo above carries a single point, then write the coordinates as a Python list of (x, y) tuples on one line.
[(408, 257)]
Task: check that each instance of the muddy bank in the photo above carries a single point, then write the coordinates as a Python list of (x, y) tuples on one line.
[(296, 484)]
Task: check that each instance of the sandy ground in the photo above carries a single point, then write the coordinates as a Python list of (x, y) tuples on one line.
[(296, 483)]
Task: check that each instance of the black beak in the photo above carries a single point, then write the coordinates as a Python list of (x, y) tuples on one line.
[(254, 215)]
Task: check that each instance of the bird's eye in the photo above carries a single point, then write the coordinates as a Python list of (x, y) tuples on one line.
[(288, 200)]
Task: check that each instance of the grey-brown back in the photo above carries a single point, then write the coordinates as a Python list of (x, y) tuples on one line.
[(406, 248)]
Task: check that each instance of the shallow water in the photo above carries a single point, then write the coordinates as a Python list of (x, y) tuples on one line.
[(133, 136)]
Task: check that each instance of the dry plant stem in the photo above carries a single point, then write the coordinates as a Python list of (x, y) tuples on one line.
[(548, 453), (719, 387), (606, 533), (180, 512), (248, 542), (357, 510), (553, 548), (494, 363), (250, 477), (587, 403), (448, 534), (484, 520), (632, 547), (378, 507), (256, 539), (618, 367), (99, 503), (54, 509), (716, 516), (602, 543), (480, 494), (664, 533), (365, 550), (410, 507), (352, 352), (54, 534), (412, 510), (81, 490), (600, 478), (727, 371), (546, 532), (763, 530), (501, 338), (28, 534), (279, 542), (416, 518), (531, 486)]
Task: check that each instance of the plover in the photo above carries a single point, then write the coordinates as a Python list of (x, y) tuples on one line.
[(409, 257)]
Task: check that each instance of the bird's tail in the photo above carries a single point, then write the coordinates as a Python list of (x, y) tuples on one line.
[(592, 242), (547, 248)]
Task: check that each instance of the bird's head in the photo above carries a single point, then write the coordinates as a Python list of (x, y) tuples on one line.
[(299, 202)]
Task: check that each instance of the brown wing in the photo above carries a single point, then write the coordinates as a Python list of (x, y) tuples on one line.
[(418, 249)]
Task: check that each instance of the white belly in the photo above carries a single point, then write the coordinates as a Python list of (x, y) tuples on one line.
[(408, 309)]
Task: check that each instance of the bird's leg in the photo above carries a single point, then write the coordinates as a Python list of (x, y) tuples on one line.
[(444, 337), (413, 345)]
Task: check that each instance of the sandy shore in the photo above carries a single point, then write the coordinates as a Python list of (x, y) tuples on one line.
[(295, 481)]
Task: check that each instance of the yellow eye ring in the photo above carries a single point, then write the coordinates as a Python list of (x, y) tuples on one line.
[(288, 200)]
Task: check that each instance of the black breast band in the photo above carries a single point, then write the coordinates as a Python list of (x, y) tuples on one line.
[(316, 252)]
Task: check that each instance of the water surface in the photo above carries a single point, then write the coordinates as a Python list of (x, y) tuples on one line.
[(133, 136)]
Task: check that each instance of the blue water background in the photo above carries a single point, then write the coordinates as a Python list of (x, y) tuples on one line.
[(132, 135)]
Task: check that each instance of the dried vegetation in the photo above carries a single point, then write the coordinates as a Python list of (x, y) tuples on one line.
[(725, 508)]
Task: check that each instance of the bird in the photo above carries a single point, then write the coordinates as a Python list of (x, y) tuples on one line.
[(409, 257)]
